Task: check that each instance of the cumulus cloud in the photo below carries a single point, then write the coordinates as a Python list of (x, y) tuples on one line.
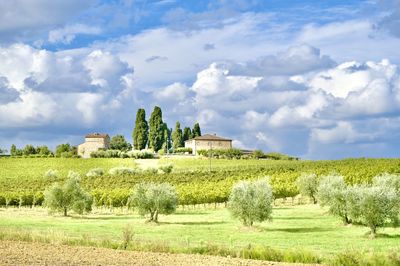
[(7, 94)]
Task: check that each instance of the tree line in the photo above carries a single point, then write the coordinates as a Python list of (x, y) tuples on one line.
[(156, 135)]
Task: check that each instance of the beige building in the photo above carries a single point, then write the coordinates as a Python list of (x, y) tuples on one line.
[(207, 142), (93, 142)]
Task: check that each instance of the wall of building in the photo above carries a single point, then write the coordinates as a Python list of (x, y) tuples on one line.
[(197, 145), (92, 145)]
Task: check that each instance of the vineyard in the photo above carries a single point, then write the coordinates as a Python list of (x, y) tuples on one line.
[(22, 180)]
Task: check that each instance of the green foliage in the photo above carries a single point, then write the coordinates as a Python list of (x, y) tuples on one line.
[(187, 134), (196, 130), (51, 175), (183, 150), (251, 201), (66, 151), (308, 186), (29, 149), (258, 154), (376, 205), (95, 172), (177, 136), (156, 131), (166, 168), (68, 196), (333, 192), (13, 150), (118, 142), (118, 171), (279, 156), (140, 133), (43, 150), (143, 154), (222, 153), (154, 199)]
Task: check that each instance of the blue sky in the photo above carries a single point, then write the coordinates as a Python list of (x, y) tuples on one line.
[(316, 79)]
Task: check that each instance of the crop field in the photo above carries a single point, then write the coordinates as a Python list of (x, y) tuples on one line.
[(22, 180)]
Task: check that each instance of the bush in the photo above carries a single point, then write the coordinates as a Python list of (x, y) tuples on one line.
[(222, 153), (154, 199), (142, 154), (333, 192), (166, 168), (251, 201), (68, 196), (51, 175), (183, 150), (122, 171), (308, 186), (95, 172)]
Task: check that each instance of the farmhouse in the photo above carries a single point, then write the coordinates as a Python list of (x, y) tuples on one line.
[(208, 142), (93, 142)]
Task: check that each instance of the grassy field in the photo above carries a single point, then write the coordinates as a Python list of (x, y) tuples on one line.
[(304, 227)]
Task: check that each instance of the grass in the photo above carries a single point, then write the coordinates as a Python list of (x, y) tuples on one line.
[(304, 227)]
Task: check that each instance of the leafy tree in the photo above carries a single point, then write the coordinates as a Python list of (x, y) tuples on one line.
[(177, 136), (308, 186), (62, 148), (29, 149), (3, 151), (140, 132), (251, 201), (388, 180), (333, 192), (167, 138), (43, 150), (196, 130), (157, 129), (118, 142), (13, 150), (187, 134), (376, 205), (68, 196), (154, 199)]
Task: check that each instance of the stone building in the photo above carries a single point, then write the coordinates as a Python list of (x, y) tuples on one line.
[(93, 142), (207, 142)]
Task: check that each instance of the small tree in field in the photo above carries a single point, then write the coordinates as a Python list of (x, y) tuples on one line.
[(375, 207), (154, 199), (251, 201), (333, 192), (68, 196), (308, 186)]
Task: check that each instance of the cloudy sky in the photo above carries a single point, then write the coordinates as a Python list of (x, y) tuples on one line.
[(315, 79)]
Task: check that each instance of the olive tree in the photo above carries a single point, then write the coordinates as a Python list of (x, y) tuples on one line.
[(68, 196), (154, 199), (375, 206), (334, 193), (251, 201), (308, 186)]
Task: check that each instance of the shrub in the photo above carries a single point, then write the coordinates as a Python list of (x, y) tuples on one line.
[(142, 154), (95, 172), (51, 175), (308, 186), (68, 196), (166, 168), (251, 201), (122, 171), (333, 192), (388, 180), (183, 150), (154, 199)]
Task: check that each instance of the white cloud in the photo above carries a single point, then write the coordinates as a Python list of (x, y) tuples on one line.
[(68, 33)]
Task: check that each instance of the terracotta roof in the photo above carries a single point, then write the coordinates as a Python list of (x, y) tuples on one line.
[(97, 135), (210, 137)]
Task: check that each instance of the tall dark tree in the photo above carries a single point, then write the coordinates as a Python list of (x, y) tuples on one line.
[(187, 134), (29, 149), (118, 142), (177, 136), (141, 131), (196, 130), (156, 131), (13, 150), (167, 138)]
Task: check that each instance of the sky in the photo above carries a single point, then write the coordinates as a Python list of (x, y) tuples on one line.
[(314, 79)]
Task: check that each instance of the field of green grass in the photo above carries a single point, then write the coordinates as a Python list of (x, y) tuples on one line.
[(305, 227)]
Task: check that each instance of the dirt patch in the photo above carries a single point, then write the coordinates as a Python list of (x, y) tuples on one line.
[(24, 253)]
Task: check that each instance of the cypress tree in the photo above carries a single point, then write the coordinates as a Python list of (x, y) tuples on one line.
[(156, 132), (187, 134), (13, 150), (140, 132), (196, 130), (177, 136)]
